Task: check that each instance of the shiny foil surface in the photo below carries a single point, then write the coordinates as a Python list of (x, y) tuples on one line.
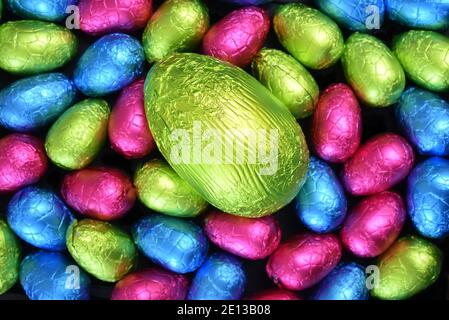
[(9, 257), (275, 294), (48, 10)]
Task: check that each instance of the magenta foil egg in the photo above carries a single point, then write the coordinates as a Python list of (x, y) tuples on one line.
[(374, 224), (129, 133), (248, 238), (238, 37), (337, 124), (99, 193), (304, 260), (275, 294), (22, 161), (377, 165)]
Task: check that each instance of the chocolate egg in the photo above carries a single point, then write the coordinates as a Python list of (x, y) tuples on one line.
[(275, 294), (9, 257), (54, 10)]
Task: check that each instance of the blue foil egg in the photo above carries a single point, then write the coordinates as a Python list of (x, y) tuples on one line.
[(110, 64), (52, 276), (36, 101), (48, 10), (174, 243), (321, 203), (38, 216), (427, 197), (424, 117), (221, 277)]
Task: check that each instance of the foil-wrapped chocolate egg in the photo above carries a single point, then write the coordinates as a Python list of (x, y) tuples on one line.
[(379, 164), (22, 161), (47, 10), (110, 64), (275, 294), (310, 36), (38, 216), (288, 80), (102, 249), (238, 36), (408, 267), (161, 189), (176, 26), (304, 260), (176, 244), (245, 237), (374, 224), (99, 193), (9, 257), (221, 277), (53, 276), (75, 139)]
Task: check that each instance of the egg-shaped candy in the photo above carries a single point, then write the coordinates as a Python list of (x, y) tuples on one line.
[(47, 10), (304, 260), (77, 136), (9, 257), (22, 161), (379, 164), (161, 189), (245, 237), (176, 244), (288, 80), (221, 277), (274, 294)]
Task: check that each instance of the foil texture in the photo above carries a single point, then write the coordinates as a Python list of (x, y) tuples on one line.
[(275, 294), (9, 257), (47, 10)]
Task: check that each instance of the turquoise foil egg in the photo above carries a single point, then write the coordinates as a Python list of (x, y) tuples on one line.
[(47, 10)]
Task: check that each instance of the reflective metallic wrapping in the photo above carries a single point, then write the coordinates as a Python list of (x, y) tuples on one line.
[(151, 284), (9, 257), (374, 224), (99, 193), (176, 244), (423, 55), (34, 102), (221, 277), (288, 80), (232, 106), (176, 26), (78, 135), (275, 294), (248, 238), (103, 250), (372, 70), (52, 276), (47, 10), (38, 216), (379, 164), (321, 203), (310, 36), (304, 260), (408, 267), (31, 47)]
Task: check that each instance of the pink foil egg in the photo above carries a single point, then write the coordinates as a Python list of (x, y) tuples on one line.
[(275, 294), (238, 37), (374, 224), (377, 165), (22, 161), (99, 193), (129, 133), (304, 260), (337, 124), (248, 238), (151, 284), (106, 16)]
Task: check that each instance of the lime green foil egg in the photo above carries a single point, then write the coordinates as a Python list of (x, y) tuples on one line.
[(372, 70), (30, 47), (78, 135), (425, 58), (9, 257), (408, 267), (288, 80), (103, 250)]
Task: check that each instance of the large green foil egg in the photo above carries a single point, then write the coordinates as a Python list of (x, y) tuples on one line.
[(225, 134), (30, 46), (372, 70), (9, 257)]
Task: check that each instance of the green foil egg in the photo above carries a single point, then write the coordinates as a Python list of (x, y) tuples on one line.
[(103, 250), (425, 58), (77, 136), (9, 257), (30, 46), (176, 26), (310, 36), (408, 267), (161, 189), (288, 80), (225, 134), (372, 70)]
